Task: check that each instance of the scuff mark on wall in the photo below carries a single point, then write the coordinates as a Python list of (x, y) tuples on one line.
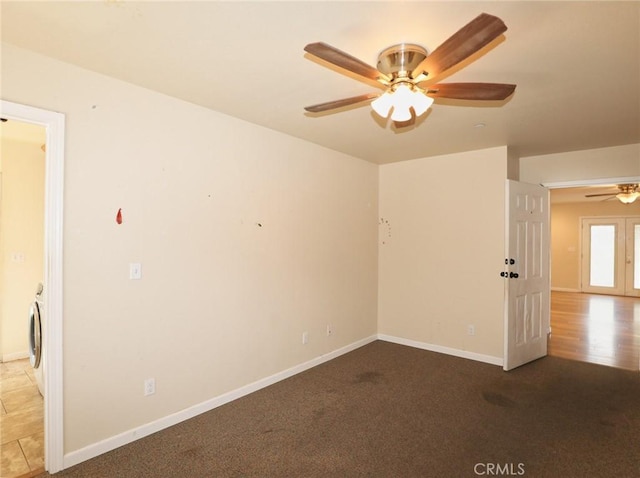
[(384, 230)]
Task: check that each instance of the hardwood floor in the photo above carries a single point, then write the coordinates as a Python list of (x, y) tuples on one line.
[(596, 328)]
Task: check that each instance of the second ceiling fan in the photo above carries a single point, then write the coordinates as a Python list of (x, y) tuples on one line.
[(406, 73), (626, 193)]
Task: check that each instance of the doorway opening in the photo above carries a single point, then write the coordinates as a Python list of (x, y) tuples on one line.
[(595, 309), (22, 181), (54, 124)]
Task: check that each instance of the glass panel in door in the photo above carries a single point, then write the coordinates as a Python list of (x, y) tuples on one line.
[(603, 253), (603, 257), (632, 257), (636, 255)]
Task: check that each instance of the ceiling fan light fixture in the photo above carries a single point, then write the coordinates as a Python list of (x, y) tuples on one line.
[(382, 104), (401, 114), (421, 103), (402, 98), (628, 197), (403, 69)]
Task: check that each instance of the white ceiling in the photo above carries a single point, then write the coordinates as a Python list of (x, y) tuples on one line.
[(576, 64)]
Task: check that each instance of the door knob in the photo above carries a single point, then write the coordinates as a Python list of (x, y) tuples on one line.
[(513, 275), (503, 274)]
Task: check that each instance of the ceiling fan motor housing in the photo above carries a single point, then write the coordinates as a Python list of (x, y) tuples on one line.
[(628, 188), (399, 61)]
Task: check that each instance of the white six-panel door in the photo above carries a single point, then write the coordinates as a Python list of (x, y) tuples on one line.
[(527, 287)]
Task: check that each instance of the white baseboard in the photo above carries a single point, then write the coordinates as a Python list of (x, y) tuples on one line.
[(104, 446), (565, 289), (490, 359), (14, 356)]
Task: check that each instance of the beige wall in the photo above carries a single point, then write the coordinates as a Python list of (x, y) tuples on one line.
[(247, 238), (616, 162), (565, 237), (21, 238), (441, 250)]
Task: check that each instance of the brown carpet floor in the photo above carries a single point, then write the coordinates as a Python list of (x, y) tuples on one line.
[(387, 410)]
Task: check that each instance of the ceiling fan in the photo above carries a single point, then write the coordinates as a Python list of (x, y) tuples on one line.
[(627, 193), (406, 73)]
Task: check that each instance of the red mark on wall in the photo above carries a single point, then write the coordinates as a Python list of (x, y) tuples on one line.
[(119, 216)]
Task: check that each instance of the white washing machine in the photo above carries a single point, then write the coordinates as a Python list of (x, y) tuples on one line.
[(36, 354)]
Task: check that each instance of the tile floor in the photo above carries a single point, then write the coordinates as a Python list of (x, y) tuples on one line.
[(21, 421)]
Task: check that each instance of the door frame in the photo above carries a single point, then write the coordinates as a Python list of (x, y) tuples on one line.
[(590, 182), (585, 182), (54, 123)]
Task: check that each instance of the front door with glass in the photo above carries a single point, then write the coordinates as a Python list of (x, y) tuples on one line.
[(611, 255)]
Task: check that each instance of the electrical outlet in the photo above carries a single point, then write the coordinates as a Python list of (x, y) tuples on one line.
[(149, 386), (471, 330), (329, 330), (305, 338)]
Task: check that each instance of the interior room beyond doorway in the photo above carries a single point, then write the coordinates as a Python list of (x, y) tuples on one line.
[(603, 327)]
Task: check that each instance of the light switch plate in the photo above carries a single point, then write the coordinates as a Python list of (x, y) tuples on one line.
[(135, 271)]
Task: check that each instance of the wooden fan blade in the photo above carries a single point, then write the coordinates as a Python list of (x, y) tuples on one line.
[(344, 60), (462, 44), (597, 195), (471, 91), (330, 105)]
